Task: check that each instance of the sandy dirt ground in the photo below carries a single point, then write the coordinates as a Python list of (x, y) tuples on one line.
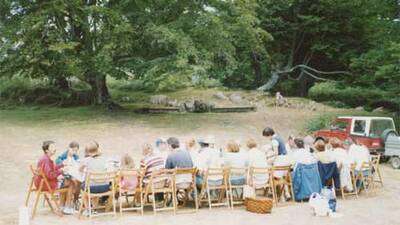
[(20, 146)]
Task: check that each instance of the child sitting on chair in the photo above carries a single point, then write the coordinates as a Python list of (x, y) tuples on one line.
[(128, 182), (71, 154)]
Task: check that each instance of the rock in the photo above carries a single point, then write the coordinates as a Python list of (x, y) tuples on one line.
[(187, 106), (379, 109), (219, 95), (159, 100), (200, 106), (173, 103), (236, 98), (125, 99), (359, 108)]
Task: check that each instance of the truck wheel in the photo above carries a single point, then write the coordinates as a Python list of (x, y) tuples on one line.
[(395, 161), (387, 133)]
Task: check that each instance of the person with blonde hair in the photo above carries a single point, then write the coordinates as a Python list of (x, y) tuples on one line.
[(234, 158), (94, 163), (255, 157), (151, 162), (191, 147), (131, 182)]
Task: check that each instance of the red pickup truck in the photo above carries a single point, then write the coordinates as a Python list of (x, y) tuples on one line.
[(370, 131)]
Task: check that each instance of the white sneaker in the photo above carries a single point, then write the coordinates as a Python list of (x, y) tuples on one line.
[(68, 211)]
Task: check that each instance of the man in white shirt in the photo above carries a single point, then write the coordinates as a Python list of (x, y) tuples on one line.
[(358, 153), (208, 157)]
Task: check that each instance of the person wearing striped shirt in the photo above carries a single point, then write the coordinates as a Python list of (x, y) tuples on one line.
[(150, 163)]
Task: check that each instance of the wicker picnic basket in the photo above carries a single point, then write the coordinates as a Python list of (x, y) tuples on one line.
[(258, 205)]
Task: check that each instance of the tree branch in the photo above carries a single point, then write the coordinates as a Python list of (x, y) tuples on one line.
[(275, 75)]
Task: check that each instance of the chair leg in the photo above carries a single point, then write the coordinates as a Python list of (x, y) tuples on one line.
[(81, 206), (29, 193), (275, 196), (174, 200), (120, 203), (141, 204), (154, 202), (35, 205), (46, 198), (380, 176), (114, 202), (230, 194), (209, 197), (89, 206), (196, 200)]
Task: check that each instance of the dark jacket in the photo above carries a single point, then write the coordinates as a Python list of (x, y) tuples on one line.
[(328, 171)]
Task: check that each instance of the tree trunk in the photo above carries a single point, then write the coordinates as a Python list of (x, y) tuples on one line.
[(302, 86), (255, 61), (62, 83), (273, 80), (100, 94)]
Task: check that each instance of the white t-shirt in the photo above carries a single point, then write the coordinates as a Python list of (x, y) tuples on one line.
[(359, 154), (256, 158), (235, 159), (209, 158), (302, 156)]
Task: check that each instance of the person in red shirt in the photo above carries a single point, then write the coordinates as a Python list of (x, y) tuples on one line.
[(53, 174)]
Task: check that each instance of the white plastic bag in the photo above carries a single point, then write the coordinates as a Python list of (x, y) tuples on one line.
[(319, 205), (249, 192), (23, 215)]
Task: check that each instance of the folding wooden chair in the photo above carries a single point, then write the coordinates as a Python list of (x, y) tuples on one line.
[(162, 181), (188, 187), (265, 184), (364, 177), (136, 192), (376, 173), (281, 182), (354, 185), (221, 189), (44, 189), (93, 179), (238, 172)]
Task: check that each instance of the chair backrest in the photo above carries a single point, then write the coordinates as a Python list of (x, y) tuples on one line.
[(131, 173), (260, 176), (216, 173), (167, 175), (103, 178), (234, 171), (260, 170), (375, 159), (366, 166), (34, 171), (281, 168), (38, 172), (186, 171)]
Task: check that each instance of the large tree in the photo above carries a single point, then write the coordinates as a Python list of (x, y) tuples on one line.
[(319, 35), (64, 38)]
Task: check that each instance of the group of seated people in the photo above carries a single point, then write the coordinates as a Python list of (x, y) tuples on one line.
[(68, 170)]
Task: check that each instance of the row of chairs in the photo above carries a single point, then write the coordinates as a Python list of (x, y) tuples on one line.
[(164, 182), (146, 194)]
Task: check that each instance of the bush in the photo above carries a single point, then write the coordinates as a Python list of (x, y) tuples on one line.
[(27, 91), (127, 85), (352, 96), (319, 123)]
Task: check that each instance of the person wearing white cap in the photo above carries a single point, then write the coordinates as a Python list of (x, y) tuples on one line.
[(208, 158), (162, 149)]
